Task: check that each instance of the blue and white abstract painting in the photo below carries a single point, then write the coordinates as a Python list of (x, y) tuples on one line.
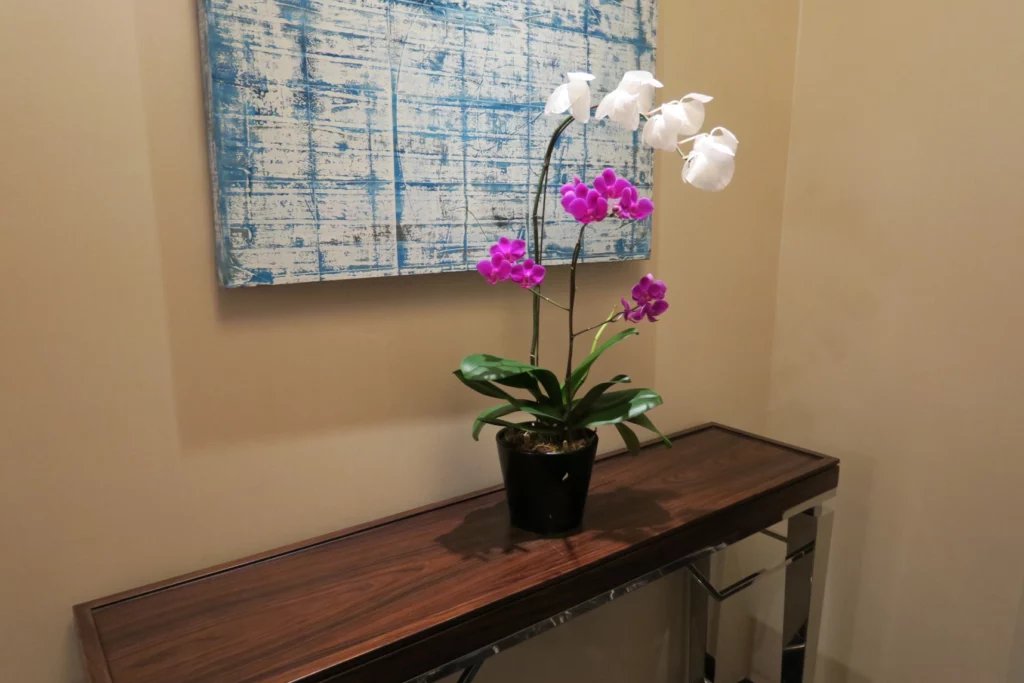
[(364, 138)]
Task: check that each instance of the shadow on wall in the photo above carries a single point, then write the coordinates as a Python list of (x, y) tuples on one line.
[(272, 361)]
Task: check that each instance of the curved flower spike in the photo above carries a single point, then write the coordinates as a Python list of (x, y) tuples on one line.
[(712, 163), (680, 118), (574, 95), (635, 95)]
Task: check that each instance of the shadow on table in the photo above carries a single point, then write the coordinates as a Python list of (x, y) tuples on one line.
[(624, 515)]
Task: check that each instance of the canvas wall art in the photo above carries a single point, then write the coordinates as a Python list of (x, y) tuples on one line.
[(365, 138)]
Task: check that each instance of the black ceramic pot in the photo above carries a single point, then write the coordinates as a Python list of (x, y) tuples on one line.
[(547, 491)]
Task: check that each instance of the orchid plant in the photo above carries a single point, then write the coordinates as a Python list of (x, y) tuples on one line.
[(557, 413)]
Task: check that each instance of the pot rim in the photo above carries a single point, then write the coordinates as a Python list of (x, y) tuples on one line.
[(591, 443)]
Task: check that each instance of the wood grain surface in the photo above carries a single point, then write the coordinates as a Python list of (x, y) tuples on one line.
[(387, 601)]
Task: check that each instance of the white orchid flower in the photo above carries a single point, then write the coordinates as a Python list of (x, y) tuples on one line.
[(712, 163), (634, 96), (676, 119), (574, 95)]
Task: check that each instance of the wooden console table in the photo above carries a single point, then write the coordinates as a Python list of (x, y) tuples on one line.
[(436, 591)]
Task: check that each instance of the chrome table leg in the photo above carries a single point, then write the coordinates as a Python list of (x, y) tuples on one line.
[(805, 587), (700, 658)]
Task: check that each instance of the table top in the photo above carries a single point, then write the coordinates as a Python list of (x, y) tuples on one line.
[(394, 598)]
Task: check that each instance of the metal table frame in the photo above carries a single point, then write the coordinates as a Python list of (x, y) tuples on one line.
[(808, 538)]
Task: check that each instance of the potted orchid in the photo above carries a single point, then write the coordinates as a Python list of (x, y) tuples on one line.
[(548, 455)]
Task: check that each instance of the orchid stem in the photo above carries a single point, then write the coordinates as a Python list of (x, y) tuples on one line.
[(572, 307), (549, 300), (613, 319), (539, 209)]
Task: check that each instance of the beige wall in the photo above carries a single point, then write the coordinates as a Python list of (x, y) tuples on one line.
[(153, 424), (900, 327)]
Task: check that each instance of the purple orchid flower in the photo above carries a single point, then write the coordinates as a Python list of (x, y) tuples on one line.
[(634, 208), (495, 269), (610, 186), (528, 274), (649, 295), (588, 205), (510, 250), (583, 203)]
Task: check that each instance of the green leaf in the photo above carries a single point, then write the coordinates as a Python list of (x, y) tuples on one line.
[(579, 375), (646, 423), (486, 366), (491, 414), (629, 437), (525, 381), (542, 410), (600, 330), (580, 408), (482, 366), (620, 406), (485, 388)]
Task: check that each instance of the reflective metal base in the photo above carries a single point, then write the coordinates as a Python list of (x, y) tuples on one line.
[(807, 542)]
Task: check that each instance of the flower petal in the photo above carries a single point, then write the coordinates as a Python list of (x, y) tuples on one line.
[(657, 308), (724, 136), (648, 135), (537, 274), (637, 314), (559, 101), (578, 209), (517, 250), (661, 131), (644, 208), (657, 289), (485, 268), (604, 109), (581, 105), (710, 171)]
